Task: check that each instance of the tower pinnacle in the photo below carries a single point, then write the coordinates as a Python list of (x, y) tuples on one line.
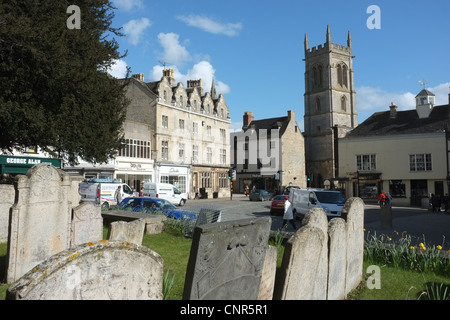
[(328, 34), (306, 42)]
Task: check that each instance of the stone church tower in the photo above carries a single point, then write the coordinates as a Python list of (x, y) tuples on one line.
[(330, 106)]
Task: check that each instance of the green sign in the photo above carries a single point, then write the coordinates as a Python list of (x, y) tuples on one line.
[(14, 164)]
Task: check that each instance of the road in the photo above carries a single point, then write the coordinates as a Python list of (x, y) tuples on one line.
[(420, 225)]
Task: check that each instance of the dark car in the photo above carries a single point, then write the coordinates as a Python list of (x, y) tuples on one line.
[(259, 195), (277, 205), (153, 205)]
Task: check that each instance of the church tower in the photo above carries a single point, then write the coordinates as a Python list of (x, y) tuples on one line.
[(330, 106)]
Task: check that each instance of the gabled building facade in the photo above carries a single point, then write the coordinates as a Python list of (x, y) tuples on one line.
[(404, 153), (268, 154), (189, 133)]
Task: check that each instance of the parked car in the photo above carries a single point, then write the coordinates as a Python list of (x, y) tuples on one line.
[(277, 205), (152, 205), (259, 195)]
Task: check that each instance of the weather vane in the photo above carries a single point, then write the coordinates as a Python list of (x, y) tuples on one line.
[(423, 83)]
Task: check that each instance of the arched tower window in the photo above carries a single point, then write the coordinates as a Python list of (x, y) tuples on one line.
[(317, 76), (317, 103), (342, 75), (343, 103), (339, 75)]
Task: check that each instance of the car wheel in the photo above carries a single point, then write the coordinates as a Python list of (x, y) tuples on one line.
[(182, 202)]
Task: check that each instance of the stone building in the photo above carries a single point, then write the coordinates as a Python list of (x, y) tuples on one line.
[(268, 154), (404, 153), (330, 106), (188, 131)]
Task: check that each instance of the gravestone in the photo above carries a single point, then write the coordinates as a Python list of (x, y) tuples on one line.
[(268, 274), (7, 195), (304, 268), (87, 224), (40, 219), (132, 231), (226, 260), (103, 270), (353, 213), (337, 259)]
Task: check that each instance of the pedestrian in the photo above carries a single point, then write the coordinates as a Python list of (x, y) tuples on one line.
[(388, 199), (246, 190), (382, 199), (446, 199), (288, 214), (141, 192), (118, 194), (434, 203)]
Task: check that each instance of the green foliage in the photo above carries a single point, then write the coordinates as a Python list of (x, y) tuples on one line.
[(54, 89), (402, 253)]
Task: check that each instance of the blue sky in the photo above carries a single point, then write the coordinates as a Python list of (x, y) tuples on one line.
[(254, 48)]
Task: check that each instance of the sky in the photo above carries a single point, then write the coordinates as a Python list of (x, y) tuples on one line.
[(254, 49)]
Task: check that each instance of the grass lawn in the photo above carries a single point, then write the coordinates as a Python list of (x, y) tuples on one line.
[(396, 283)]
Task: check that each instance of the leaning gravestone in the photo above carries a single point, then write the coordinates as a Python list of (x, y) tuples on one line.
[(87, 224), (226, 260), (7, 195), (337, 259), (40, 219), (104, 270), (268, 274), (304, 268), (132, 231), (353, 213)]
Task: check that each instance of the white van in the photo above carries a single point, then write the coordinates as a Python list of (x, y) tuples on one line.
[(165, 191), (101, 191), (330, 201)]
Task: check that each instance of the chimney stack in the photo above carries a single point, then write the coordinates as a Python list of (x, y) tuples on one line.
[(139, 76), (248, 118), (291, 115), (393, 110)]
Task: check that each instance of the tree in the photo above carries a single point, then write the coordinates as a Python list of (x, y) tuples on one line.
[(55, 91)]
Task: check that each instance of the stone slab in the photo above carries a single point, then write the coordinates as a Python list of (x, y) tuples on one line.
[(103, 270), (226, 260)]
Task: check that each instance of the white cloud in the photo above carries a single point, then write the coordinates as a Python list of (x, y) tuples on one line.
[(174, 53), (134, 29), (370, 99), (211, 26), (201, 70), (118, 69), (128, 5)]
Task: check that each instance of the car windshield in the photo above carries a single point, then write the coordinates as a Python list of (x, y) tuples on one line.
[(330, 197), (131, 202), (164, 204), (279, 198)]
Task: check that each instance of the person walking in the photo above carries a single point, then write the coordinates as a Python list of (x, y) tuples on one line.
[(288, 214), (118, 194), (382, 199)]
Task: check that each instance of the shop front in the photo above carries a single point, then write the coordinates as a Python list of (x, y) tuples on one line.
[(13, 165), (176, 174), (134, 172)]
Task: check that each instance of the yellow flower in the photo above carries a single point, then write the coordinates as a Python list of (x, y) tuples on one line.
[(389, 239), (421, 245), (439, 247), (412, 248)]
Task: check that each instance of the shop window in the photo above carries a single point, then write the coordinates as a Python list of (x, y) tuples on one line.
[(397, 188)]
